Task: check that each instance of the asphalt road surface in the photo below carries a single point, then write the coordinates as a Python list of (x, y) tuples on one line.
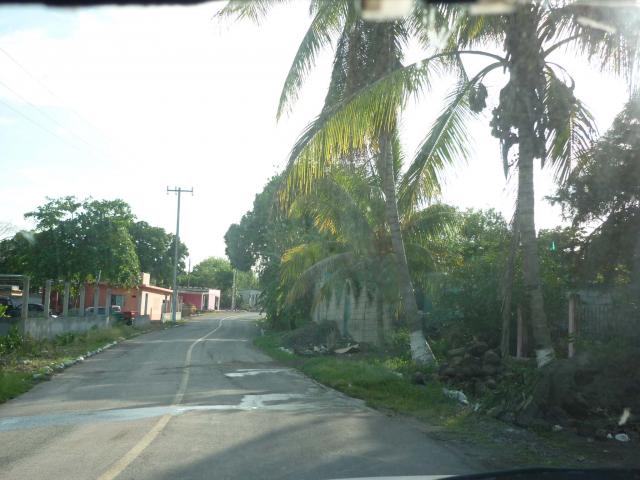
[(200, 401)]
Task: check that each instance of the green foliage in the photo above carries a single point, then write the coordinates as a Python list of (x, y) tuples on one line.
[(13, 384), (603, 192), (79, 240), (213, 272), (259, 241), (381, 381), (12, 341), (466, 292), (155, 250)]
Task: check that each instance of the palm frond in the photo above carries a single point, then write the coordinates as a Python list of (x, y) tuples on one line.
[(303, 270), (329, 19), (436, 220), (446, 143), (254, 10), (609, 36), (335, 211), (353, 124), (571, 127)]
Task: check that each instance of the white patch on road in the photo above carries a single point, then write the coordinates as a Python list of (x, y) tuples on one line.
[(249, 372), (313, 400)]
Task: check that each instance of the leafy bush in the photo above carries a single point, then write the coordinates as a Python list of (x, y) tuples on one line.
[(12, 341), (65, 338)]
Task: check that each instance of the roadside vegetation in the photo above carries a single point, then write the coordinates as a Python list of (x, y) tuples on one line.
[(25, 361), (467, 291), (387, 379)]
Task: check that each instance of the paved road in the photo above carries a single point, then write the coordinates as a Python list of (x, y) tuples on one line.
[(199, 401)]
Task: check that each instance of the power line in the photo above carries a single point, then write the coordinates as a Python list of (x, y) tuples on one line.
[(47, 89), (45, 114), (37, 124)]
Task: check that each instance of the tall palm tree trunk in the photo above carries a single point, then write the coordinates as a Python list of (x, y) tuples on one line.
[(530, 261), (420, 350), (526, 64)]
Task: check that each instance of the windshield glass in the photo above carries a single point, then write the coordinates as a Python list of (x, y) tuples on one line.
[(366, 220)]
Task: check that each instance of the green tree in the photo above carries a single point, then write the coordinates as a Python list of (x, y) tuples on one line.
[(603, 191), (213, 272), (155, 249), (259, 241), (364, 53), (349, 207), (81, 240), (537, 111), (465, 290)]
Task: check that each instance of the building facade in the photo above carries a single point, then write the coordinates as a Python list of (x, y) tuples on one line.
[(204, 299)]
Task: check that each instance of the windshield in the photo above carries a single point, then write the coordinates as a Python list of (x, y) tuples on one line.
[(319, 239)]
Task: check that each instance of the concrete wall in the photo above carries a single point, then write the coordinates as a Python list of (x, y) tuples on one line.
[(42, 328), (7, 323), (166, 317), (155, 307), (356, 317)]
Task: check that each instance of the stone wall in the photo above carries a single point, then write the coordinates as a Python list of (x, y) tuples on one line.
[(355, 316)]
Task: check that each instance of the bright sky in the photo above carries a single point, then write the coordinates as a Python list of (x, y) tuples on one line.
[(125, 101)]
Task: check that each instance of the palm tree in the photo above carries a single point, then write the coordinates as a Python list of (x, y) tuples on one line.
[(364, 53), (537, 112), (347, 205)]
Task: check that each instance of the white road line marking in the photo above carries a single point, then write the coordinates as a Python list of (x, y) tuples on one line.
[(118, 467)]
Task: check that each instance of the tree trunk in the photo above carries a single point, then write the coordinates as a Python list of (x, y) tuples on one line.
[(507, 290), (523, 108), (530, 261), (420, 350)]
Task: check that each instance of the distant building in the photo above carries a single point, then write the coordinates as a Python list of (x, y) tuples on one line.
[(144, 299), (204, 299), (249, 297)]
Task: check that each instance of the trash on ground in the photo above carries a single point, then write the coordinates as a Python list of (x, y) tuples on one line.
[(456, 395), (348, 349), (622, 437)]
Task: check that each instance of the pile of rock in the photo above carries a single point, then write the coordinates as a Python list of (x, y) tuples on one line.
[(475, 368)]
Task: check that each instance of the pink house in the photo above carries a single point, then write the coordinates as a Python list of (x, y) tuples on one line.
[(204, 299), (144, 299)]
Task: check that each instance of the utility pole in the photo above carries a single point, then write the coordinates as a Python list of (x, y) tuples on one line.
[(174, 297), (189, 274), (233, 291)]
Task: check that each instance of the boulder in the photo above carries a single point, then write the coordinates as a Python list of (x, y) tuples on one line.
[(477, 349), (491, 383), (490, 357), (455, 352)]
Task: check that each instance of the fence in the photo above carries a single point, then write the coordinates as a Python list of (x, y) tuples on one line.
[(601, 321), (40, 325)]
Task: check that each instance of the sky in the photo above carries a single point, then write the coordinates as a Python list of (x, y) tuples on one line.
[(122, 102)]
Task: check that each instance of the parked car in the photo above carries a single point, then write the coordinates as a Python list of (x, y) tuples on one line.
[(36, 308)]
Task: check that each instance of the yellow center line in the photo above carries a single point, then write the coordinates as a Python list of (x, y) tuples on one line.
[(118, 467)]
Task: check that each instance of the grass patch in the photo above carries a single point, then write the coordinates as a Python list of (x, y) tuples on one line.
[(13, 384), (382, 382), (21, 358)]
